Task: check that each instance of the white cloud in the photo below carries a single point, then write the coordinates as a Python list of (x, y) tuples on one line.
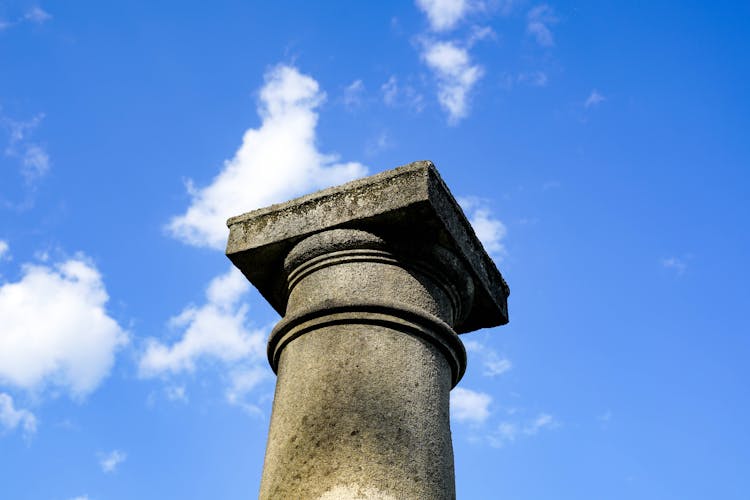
[(539, 19), (4, 250), (82, 497), (675, 263), (492, 363), (444, 15), (214, 331), (594, 98), (37, 15), (469, 406), (109, 462), (456, 76), (490, 230), (56, 330), (275, 162), (353, 94), (12, 417)]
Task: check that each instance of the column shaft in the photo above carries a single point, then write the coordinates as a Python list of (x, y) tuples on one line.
[(360, 411)]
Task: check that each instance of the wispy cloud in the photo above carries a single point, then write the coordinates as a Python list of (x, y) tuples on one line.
[(56, 330), (353, 94), (276, 161), (390, 91), (456, 76), (33, 157), (12, 417), (497, 428), (469, 406), (676, 264), (35, 161), (215, 333), (242, 382), (507, 431), (109, 462), (396, 94), (34, 15), (506, 7), (4, 250), (538, 22), (216, 330), (378, 143), (542, 421), (479, 33), (37, 15), (533, 78), (594, 99), (493, 364), (444, 15), (176, 393)]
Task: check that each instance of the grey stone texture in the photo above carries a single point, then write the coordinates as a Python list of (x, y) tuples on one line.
[(373, 279)]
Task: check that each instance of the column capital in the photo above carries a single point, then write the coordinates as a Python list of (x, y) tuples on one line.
[(350, 276), (407, 207)]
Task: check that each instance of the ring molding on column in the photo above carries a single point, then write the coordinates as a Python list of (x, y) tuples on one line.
[(402, 318)]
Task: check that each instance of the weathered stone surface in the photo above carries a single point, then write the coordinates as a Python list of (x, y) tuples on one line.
[(373, 279), (409, 203), (360, 406)]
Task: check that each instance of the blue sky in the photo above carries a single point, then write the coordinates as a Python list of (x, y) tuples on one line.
[(600, 148)]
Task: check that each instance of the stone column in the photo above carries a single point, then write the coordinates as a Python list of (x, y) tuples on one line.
[(374, 280)]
